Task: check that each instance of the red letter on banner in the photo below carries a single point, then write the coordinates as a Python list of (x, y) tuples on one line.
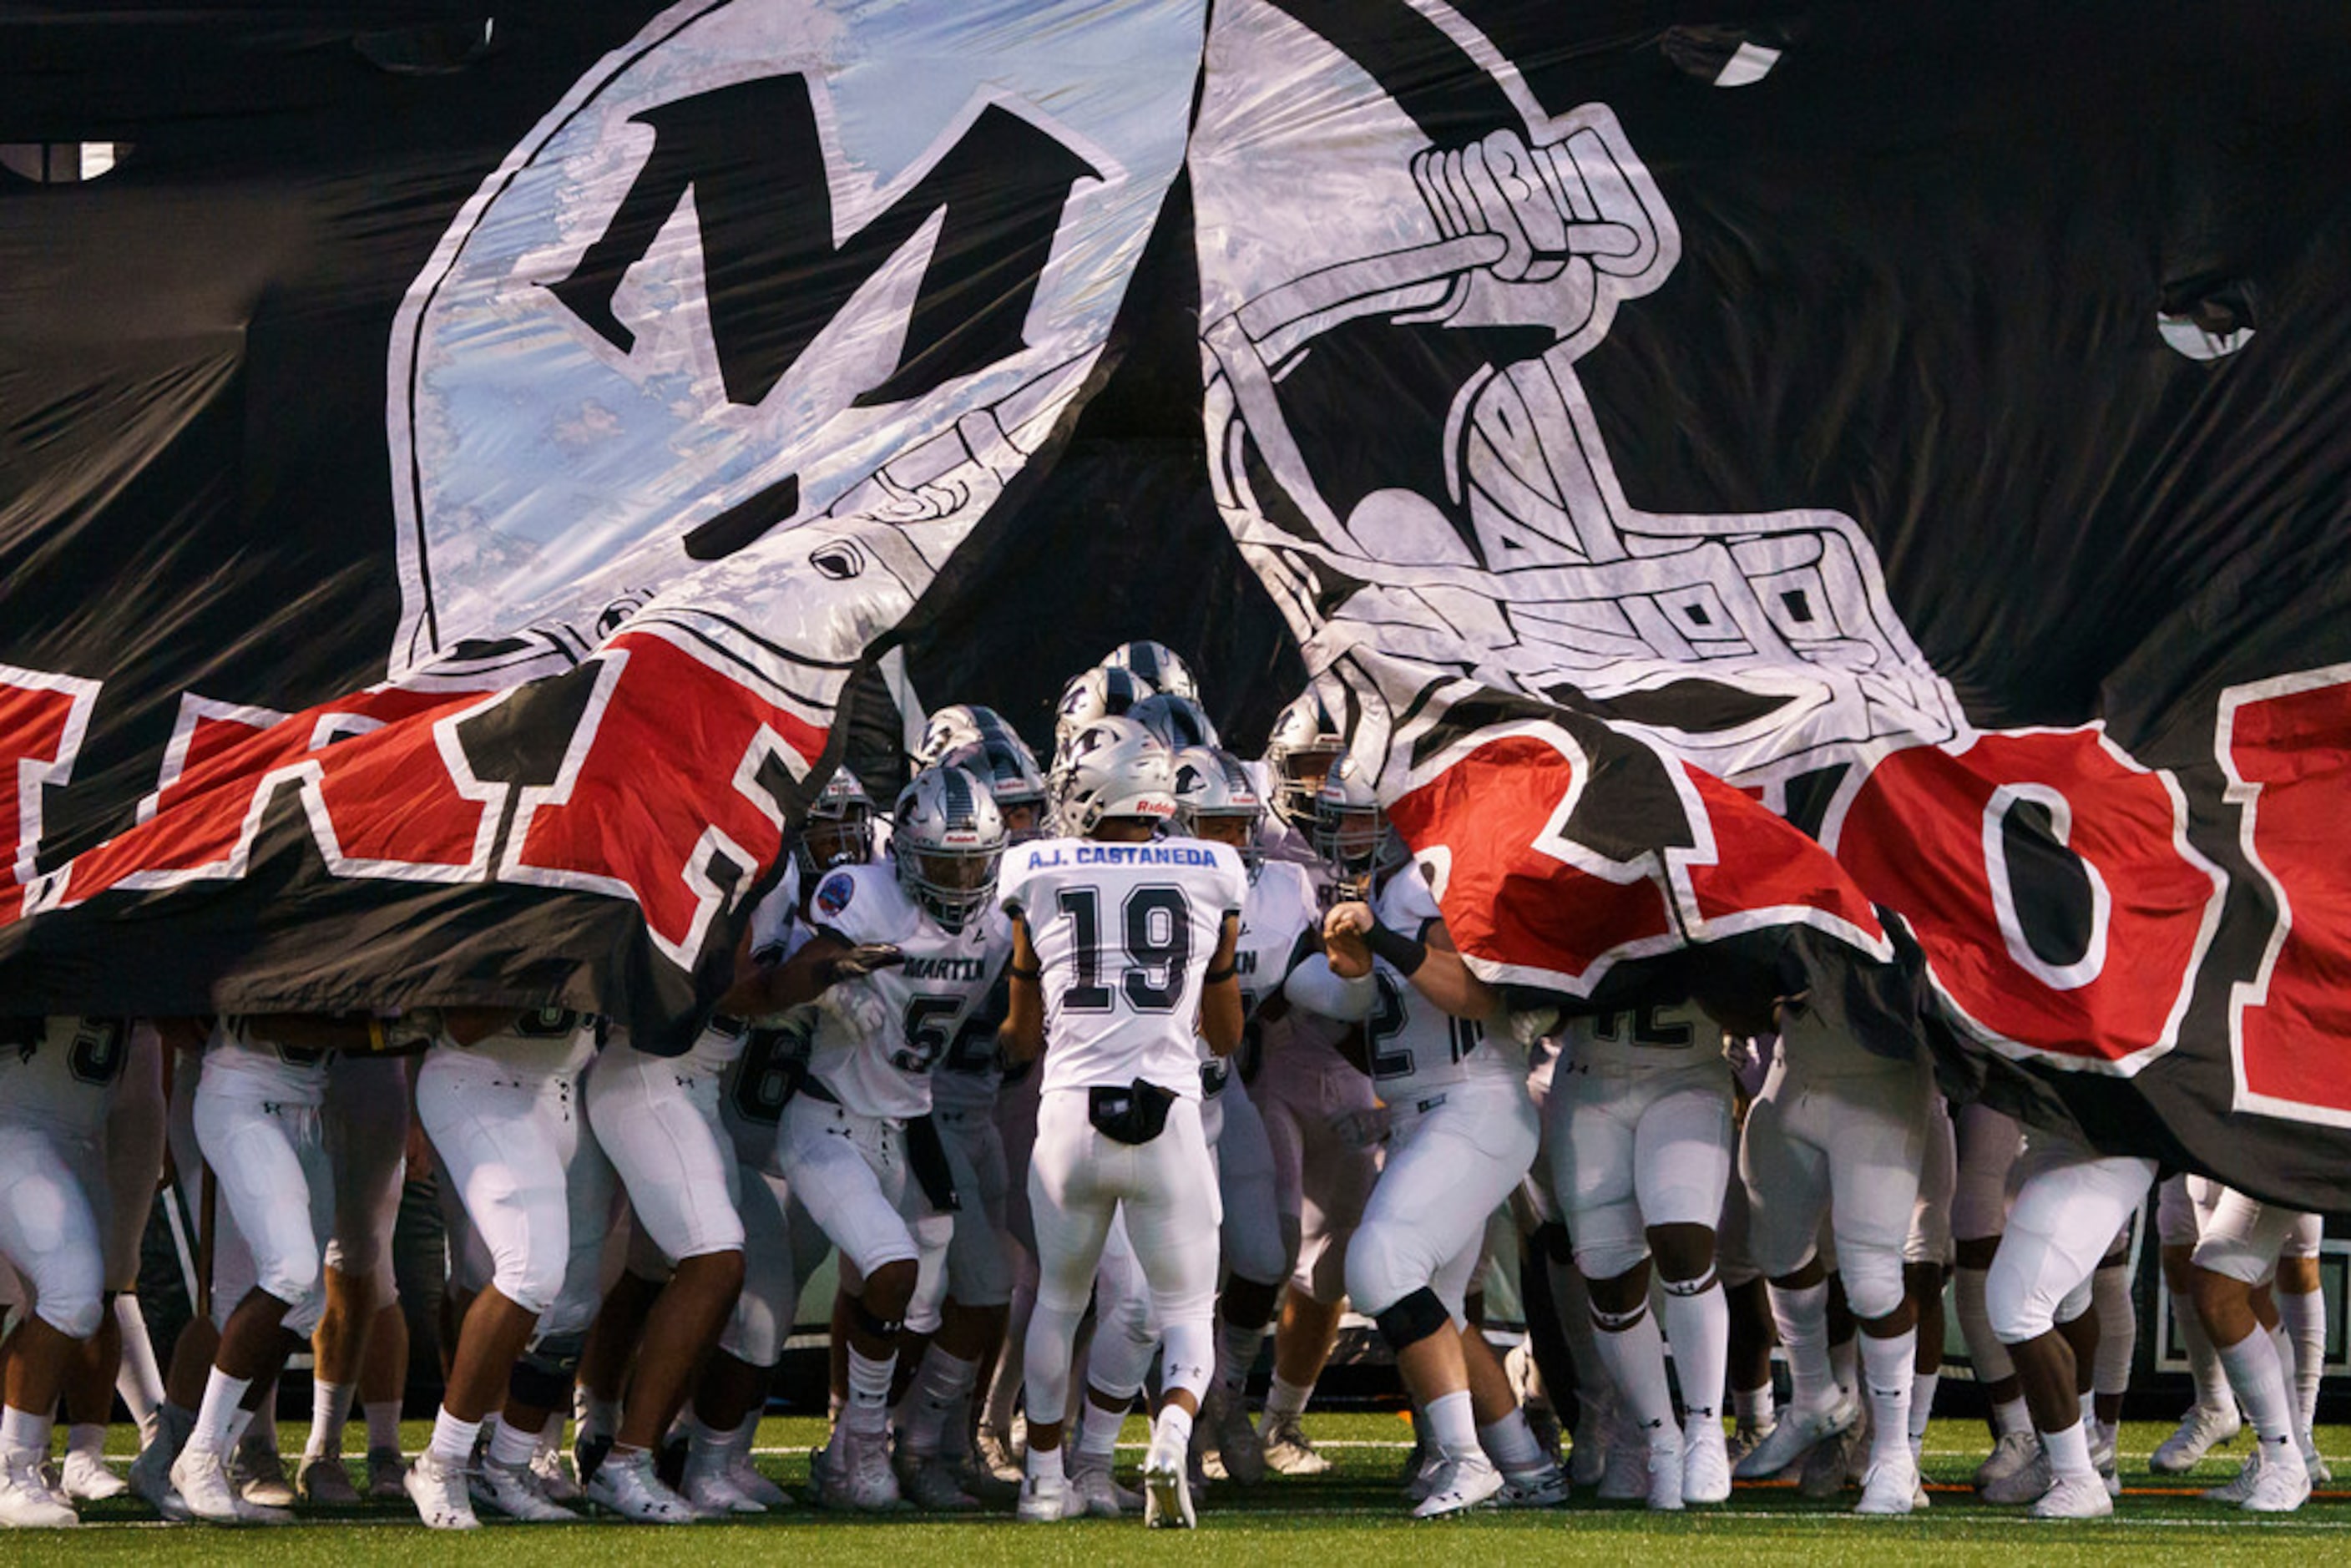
[(660, 789), (1924, 836), (43, 717), (2285, 744)]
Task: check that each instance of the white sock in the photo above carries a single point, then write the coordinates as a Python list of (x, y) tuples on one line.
[(2012, 1415), (2304, 1317), (1922, 1403), (138, 1379), (2069, 1451), (23, 1432), (1753, 1407), (1634, 1355), (260, 1426), (1845, 1363), (1044, 1464), (2288, 1371), (87, 1437), (1452, 1426), (2110, 1298), (1237, 1349), (383, 1424), (1886, 1373), (218, 1412), (942, 1388), (1098, 1432), (1697, 1325), (1511, 1444), (2203, 1361), (454, 1440), (240, 1421), (330, 1410), (511, 1447), (1173, 1427), (1802, 1317), (1286, 1401), (868, 1412), (2259, 1384), (597, 1417)]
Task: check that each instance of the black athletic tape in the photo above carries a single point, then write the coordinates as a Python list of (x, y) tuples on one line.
[(1412, 1319), (1218, 977), (864, 1318), (1404, 954)]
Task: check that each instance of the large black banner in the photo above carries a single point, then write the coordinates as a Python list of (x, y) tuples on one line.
[(455, 470)]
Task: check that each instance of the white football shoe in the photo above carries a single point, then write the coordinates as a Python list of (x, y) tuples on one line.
[(625, 1484), (26, 1501), (87, 1478), (1889, 1487), (1665, 1451), (1706, 1464), (1460, 1485), (2202, 1430), (1288, 1450), (1046, 1499), (1796, 1434), (2011, 1453), (2280, 1483), (1166, 1484), (2074, 1497), (514, 1490), (438, 1487)]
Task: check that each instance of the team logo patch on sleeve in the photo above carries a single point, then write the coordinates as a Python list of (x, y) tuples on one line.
[(832, 896)]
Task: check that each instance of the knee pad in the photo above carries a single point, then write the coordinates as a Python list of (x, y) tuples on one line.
[(73, 1313), (543, 1375), (1873, 1283), (1412, 1318), (870, 1322)]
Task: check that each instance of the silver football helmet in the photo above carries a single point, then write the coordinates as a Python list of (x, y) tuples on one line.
[(1351, 831), (1157, 666), (1215, 798), (1306, 740), (1097, 692), (838, 828), (1006, 765), (1113, 768), (959, 723), (1178, 722), (945, 839)]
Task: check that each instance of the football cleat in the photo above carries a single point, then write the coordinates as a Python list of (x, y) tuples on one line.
[(1288, 1450), (259, 1473), (1798, 1432), (1706, 1464), (1166, 1489), (26, 1501), (438, 1487), (1889, 1487), (2074, 1497), (326, 1480), (625, 1484), (1545, 1487), (387, 1475), (1460, 1485), (514, 1490), (86, 1478), (1046, 1499), (2202, 1430)]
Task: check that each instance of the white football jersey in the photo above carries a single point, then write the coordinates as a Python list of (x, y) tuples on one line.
[(238, 1064), (877, 1038), (1414, 1046), (1282, 908), (1659, 1039), (543, 1043), (57, 1072), (1123, 933), (969, 1074), (776, 929)]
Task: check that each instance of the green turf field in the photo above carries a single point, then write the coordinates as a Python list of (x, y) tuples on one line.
[(1352, 1514)]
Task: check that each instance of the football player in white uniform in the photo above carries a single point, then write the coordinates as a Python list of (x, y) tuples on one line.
[(1638, 1127), (54, 1074), (258, 1126), (366, 1117), (504, 1114), (781, 1244), (1840, 1131), (2236, 1254), (1461, 1135), (1123, 951), (1307, 1092), (857, 1145), (2070, 1203), (2183, 1204), (1216, 799), (657, 1121)]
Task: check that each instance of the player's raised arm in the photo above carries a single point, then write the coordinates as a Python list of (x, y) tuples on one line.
[(1429, 960)]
